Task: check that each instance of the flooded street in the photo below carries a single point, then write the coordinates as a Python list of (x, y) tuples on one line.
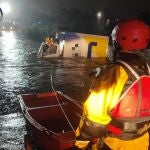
[(21, 71)]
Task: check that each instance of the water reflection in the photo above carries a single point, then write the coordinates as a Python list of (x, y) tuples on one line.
[(12, 133), (8, 43), (22, 72), (8, 37), (13, 74)]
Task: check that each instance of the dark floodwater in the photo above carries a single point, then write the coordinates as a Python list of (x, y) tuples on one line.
[(21, 71)]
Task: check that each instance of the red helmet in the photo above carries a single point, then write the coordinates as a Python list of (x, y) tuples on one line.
[(131, 35)]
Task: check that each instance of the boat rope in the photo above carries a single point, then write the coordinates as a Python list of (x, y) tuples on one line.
[(148, 67), (60, 104)]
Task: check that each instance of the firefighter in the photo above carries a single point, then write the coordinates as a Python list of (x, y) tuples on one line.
[(117, 111)]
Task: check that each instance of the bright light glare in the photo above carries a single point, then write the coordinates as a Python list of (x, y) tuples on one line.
[(5, 7), (8, 41), (99, 14)]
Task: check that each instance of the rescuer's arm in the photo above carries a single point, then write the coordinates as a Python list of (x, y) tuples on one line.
[(102, 99)]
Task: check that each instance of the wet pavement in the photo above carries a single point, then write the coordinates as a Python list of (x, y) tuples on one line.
[(21, 71)]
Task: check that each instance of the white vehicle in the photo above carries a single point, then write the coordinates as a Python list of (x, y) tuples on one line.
[(76, 45)]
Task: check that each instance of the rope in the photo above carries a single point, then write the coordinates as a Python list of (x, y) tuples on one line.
[(60, 104), (148, 68), (42, 128)]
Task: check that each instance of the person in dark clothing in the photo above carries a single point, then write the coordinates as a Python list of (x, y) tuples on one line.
[(117, 111)]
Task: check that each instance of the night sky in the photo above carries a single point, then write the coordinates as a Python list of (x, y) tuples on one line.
[(119, 8)]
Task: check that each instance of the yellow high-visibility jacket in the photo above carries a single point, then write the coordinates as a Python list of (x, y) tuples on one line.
[(103, 97)]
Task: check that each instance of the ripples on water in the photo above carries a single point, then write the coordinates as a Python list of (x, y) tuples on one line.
[(21, 71)]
